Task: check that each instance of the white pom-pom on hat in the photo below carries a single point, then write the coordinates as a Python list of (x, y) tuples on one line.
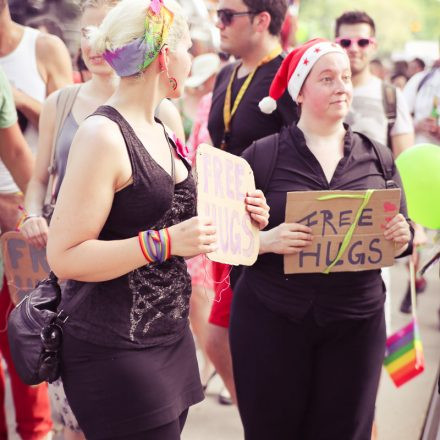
[(267, 105)]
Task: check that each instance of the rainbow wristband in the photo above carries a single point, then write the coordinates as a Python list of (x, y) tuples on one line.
[(161, 249), (144, 242), (165, 244)]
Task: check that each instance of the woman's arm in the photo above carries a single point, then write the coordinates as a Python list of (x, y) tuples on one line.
[(98, 163), (35, 228)]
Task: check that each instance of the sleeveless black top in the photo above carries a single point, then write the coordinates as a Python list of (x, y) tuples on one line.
[(148, 306)]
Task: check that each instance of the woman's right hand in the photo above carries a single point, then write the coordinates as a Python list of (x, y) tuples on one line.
[(286, 238), (35, 231), (192, 237)]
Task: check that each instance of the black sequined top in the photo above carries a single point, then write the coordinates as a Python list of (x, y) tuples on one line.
[(148, 306)]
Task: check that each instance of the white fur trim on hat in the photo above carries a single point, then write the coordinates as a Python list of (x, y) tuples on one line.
[(307, 61), (267, 105)]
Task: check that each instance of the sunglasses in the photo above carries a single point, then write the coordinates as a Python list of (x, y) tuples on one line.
[(51, 338), (226, 16), (361, 42)]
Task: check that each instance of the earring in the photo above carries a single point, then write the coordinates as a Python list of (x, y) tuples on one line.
[(173, 83)]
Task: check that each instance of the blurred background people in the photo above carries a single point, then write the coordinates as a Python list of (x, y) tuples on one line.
[(422, 93), (416, 65), (36, 64), (200, 84), (14, 151), (377, 68), (399, 80)]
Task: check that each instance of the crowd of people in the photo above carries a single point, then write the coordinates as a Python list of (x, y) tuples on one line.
[(100, 186)]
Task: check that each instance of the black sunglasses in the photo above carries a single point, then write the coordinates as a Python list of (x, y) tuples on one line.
[(51, 337), (361, 42), (226, 16), (49, 366)]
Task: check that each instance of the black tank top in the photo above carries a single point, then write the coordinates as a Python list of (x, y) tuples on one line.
[(148, 306)]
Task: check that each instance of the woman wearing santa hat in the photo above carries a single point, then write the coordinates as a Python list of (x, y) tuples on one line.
[(307, 349)]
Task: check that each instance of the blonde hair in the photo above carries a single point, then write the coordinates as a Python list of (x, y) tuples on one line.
[(126, 22)]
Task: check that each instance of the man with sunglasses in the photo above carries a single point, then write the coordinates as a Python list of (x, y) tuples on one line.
[(355, 32), (249, 31)]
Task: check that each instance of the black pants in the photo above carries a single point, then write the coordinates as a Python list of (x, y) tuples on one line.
[(301, 381), (170, 431)]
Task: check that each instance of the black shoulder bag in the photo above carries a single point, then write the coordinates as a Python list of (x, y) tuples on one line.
[(35, 330)]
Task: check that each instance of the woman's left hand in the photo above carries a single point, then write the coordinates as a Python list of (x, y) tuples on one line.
[(397, 230), (258, 208)]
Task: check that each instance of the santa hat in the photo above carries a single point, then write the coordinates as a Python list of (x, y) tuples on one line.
[(294, 70)]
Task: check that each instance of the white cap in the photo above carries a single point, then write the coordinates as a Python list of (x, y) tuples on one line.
[(203, 67)]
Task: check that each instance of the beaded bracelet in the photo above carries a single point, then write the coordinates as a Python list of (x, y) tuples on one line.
[(161, 249)]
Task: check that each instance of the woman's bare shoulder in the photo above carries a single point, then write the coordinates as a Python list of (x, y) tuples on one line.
[(100, 134)]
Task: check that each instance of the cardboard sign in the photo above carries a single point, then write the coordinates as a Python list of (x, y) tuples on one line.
[(331, 218), (222, 182), (24, 265)]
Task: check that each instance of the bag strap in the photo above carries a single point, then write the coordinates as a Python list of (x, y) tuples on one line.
[(66, 98), (385, 160), (389, 97), (265, 153), (72, 304), (425, 78)]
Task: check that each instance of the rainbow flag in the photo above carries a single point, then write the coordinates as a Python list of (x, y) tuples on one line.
[(404, 354)]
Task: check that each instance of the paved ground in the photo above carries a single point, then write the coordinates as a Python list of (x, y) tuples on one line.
[(400, 412)]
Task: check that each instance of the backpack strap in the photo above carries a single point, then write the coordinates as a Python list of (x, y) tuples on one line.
[(425, 78), (389, 97), (263, 159), (385, 160), (65, 99)]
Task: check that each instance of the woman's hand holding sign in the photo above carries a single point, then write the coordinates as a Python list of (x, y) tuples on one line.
[(194, 236), (286, 238), (35, 231), (258, 208), (397, 229)]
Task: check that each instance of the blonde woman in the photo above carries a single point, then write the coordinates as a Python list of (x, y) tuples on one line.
[(123, 223), (90, 96)]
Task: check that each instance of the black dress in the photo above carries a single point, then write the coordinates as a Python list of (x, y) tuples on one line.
[(129, 360)]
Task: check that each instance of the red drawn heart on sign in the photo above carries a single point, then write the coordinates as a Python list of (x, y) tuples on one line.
[(388, 219), (389, 207)]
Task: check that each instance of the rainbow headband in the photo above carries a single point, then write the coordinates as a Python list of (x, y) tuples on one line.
[(137, 55)]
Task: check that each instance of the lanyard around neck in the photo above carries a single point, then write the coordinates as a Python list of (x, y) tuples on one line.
[(228, 113)]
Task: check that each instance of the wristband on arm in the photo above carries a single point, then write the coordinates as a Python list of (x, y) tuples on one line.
[(155, 245)]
